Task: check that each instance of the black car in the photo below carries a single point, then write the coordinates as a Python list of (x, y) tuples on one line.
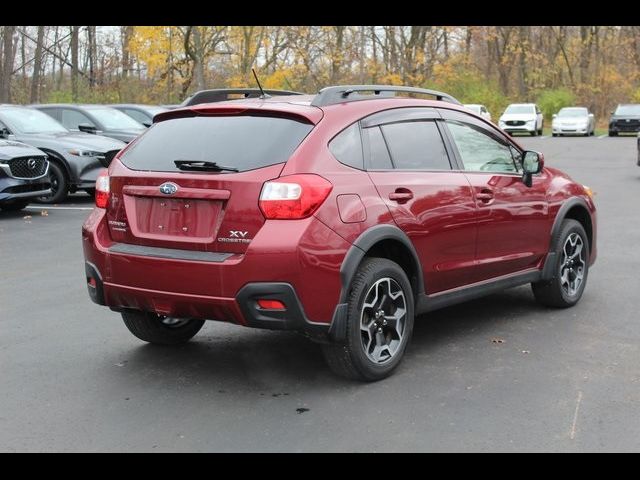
[(223, 94), (97, 119), (140, 113), (625, 119), (23, 175)]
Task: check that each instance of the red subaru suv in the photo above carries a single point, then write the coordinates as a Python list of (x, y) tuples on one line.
[(341, 215)]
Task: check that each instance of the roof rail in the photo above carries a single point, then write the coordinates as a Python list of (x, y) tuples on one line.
[(345, 93), (222, 94)]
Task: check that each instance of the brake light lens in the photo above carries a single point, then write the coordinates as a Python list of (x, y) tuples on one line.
[(102, 190), (294, 196)]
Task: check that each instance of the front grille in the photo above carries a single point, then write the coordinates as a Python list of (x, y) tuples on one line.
[(515, 123), (632, 125), (28, 167)]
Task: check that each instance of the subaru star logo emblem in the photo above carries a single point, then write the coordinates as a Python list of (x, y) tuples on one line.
[(32, 163), (168, 188)]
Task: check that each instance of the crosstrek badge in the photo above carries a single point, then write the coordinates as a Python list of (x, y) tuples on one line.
[(235, 236)]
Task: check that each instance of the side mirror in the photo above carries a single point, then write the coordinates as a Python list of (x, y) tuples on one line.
[(4, 132), (554, 115), (532, 163), (591, 115), (87, 128), (146, 124)]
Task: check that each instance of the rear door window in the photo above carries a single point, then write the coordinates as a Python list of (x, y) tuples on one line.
[(416, 146), (244, 142)]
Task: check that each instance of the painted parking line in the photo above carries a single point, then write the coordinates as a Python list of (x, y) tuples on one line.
[(29, 207), (602, 136)]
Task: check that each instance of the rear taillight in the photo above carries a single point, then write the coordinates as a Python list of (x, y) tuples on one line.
[(293, 196), (102, 190)]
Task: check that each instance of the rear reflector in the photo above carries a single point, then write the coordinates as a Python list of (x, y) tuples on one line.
[(102, 190), (294, 196), (267, 304)]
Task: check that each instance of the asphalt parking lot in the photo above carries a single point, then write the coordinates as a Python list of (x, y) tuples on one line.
[(497, 374)]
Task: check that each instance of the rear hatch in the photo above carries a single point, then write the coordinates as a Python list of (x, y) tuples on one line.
[(163, 196)]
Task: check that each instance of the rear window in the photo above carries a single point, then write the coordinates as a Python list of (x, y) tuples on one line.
[(243, 142)]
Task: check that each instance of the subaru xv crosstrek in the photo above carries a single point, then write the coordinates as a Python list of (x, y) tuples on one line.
[(342, 216)]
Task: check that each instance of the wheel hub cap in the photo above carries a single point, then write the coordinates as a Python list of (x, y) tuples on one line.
[(573, 265), (382, 320)]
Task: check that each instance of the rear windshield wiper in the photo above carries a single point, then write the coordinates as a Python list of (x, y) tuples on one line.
[(202, 166)]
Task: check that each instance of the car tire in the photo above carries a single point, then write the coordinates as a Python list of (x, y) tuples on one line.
[(91, 192), (554, 134), (15, 206), (59, 184), (613, 134), (376, 341), (541, 129), (534, 133), (569, 279), (159, 329)]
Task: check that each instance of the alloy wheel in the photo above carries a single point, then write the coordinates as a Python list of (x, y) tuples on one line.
[(383, 320), (573, 264)]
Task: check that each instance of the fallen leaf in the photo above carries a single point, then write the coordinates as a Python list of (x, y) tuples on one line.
[(27, 217), (301, 410), (44, 213), (497, 340), (526, 351), (121, 364)]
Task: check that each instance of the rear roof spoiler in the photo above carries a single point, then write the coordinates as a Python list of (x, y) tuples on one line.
[(350, 93), (223, 94)]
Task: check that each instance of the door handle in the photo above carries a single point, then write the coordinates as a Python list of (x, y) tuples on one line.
[(485, 195), (401, 195)]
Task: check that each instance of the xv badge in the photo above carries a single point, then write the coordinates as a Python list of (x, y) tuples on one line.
[(237, 234)]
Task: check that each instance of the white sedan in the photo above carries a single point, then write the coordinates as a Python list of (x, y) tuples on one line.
[(573, 121), (479, 110)]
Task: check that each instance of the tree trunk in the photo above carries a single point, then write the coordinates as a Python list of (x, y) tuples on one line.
[(198, 64), (8, 55), (37, 66), (74, 63)]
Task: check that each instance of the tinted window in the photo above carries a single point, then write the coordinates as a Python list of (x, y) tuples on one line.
[(416, 146), (628, 110), (72, 118), (379, 158), (481, 152), (137, 115), (243, 142), (347, 147)]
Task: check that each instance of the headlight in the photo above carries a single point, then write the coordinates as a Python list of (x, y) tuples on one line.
[(530, 121), (85, 153)]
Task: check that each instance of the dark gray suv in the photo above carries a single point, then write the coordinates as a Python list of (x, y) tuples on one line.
[(140, 113), (95, 119), (23, 175), (75, 158)]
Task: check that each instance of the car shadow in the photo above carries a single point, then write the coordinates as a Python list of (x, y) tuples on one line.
[(268, 360)]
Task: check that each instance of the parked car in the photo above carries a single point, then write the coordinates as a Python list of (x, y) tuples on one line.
[(573, 121), (94, 119), (75, 158), (140, 113), (345, 216), (624, 119), (522, 117), (23, 175), (479, 110), (638, 142), (222, 94)]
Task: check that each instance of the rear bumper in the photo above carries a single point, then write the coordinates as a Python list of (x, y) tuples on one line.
[(303, 276)]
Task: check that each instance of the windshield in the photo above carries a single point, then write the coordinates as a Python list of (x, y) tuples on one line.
[(474, 108), (518, 109), (244, 142), (572, 112), (628, 110), (112, 119), (28, 120)]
